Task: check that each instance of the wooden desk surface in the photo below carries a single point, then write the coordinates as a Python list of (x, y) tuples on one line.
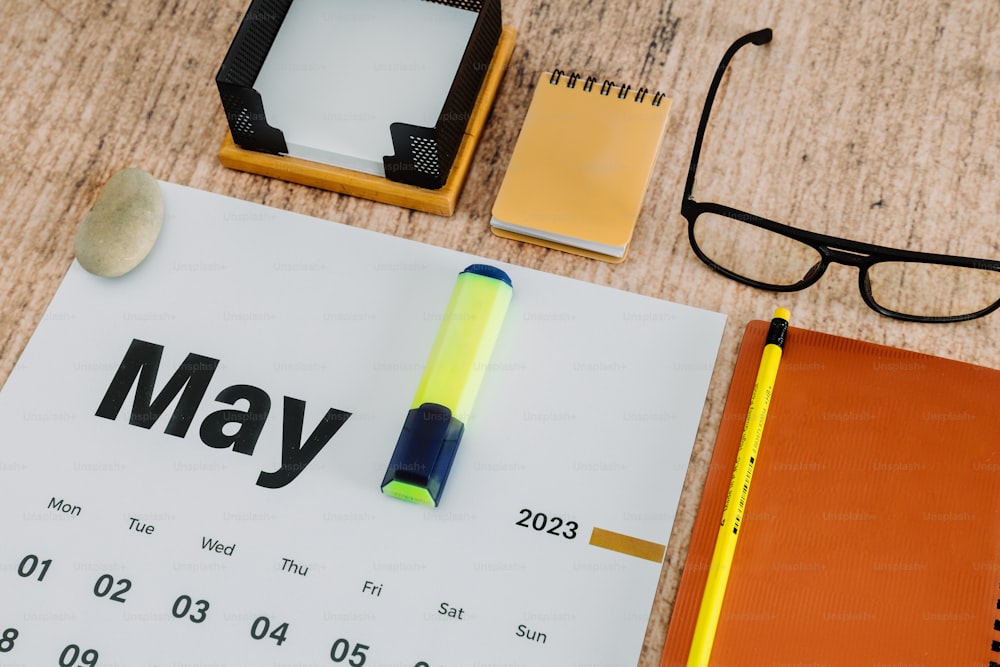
[(876, 121)]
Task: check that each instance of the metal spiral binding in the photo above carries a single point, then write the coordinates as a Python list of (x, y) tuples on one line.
[(623, 91)]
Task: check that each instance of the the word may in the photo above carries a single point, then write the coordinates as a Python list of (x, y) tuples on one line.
[(188, 385)]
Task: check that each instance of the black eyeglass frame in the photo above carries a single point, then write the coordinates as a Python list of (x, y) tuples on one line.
[(831, 249)]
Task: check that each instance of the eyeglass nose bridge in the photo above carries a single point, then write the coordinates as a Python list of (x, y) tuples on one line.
[(861, 260)]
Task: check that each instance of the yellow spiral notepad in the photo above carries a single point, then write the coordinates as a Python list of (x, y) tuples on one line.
[(580, 169)]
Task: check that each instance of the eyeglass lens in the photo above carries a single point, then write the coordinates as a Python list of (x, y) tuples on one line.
[(932, 290), (915, 289), (754, 253)]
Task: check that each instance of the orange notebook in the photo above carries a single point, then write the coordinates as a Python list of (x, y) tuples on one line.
[(872, 528), (581, 165)]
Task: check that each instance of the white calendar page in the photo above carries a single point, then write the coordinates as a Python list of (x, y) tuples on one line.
[(228, 527)]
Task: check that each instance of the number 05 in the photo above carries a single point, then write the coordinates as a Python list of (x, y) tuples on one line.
[(338, 653)]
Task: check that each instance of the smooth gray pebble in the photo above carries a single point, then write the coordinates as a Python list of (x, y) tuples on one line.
[(123, 225)]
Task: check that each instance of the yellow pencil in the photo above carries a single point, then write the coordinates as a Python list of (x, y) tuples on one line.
[(739, 489)]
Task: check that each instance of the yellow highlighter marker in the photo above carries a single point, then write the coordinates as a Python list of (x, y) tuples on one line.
[(458, 360), (739, 489)]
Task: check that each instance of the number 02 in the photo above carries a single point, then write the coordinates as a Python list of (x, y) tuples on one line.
[(104, 584)]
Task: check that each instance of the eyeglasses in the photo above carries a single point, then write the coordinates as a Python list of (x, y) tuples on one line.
[(762, 253)]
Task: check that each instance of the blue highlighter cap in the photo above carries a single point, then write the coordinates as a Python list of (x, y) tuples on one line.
[(489, 272)]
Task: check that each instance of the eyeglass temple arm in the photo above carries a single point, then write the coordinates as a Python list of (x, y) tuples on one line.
[(758, 38)]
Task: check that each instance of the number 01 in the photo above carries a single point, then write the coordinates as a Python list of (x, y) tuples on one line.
[(30, 563)]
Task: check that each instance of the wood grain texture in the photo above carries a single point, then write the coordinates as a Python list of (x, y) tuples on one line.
[(874, 120)]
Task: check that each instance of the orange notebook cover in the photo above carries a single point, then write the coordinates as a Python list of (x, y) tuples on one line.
[(872, 528), (581, 165)]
